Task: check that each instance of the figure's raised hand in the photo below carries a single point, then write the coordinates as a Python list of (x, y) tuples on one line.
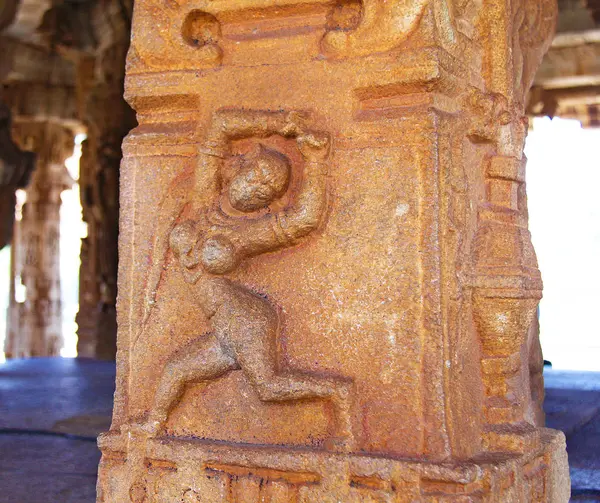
[(314, 146), (295, 123)]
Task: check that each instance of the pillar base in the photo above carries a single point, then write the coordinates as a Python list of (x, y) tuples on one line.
[(194, 471)]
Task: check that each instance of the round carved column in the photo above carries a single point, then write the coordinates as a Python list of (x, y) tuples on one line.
[(36, 243)]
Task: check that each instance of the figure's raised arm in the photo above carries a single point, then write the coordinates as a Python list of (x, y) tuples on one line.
[(232, 124), (304, 215)]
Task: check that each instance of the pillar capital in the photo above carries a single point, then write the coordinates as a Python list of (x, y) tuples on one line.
[(51, 141)]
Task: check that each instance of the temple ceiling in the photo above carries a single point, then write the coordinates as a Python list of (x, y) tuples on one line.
[(568, 82)]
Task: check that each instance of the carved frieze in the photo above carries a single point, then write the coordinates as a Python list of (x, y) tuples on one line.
[(193, 35), (215, 220)]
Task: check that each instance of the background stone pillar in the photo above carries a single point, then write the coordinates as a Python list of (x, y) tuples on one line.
[(16, 167), (36, 244), (326, 278), (108, 119), (101, 156)]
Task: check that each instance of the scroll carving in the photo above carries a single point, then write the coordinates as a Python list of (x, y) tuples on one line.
[(185, 38), (190, 38), (234, 208), (382, 27)]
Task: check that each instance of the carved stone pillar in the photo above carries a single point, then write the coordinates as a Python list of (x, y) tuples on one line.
[(108, 118), (326, 278), (101, 156), (16, 167), (36, 248)]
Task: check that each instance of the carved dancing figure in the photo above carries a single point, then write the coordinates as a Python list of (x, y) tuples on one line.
[(209, 243)]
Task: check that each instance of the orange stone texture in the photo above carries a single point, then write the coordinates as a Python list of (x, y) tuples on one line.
[(327, 287)]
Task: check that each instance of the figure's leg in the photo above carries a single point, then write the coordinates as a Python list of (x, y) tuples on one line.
[(281, 388), (202, 360), (258, 362)]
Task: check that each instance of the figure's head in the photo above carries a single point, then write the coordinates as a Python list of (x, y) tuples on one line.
[(263, 177)]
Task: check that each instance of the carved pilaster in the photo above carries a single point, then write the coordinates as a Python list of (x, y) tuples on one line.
[(326, 273), (36, 244), (507, 285)]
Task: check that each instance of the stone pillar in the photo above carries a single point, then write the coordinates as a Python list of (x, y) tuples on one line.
[(326, 278), (108, 119), (101, 156), (36, 247), (16, 167)]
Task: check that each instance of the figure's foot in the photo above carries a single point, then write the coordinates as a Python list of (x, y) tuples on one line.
[(153, 428), (345, 440), (146, 427)]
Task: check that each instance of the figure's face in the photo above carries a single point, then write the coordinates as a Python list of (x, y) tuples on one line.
[(263, 178)]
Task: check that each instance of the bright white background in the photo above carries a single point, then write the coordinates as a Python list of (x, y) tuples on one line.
[(563, 186)]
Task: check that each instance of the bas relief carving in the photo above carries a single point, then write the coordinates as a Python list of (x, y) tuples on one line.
[(237, 207), (192, 35), (382, 27), (506, 280), (429, 200)]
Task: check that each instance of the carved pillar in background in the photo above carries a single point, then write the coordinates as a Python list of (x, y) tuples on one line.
[(108, 119), (16, 167), (36, 257), (326, 273)]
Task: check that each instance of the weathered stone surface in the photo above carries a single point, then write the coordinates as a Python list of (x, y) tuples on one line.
[(326, 279)]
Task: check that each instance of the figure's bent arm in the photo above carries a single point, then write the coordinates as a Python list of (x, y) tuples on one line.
[(306, 215), (231, 124), (283, 229)]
